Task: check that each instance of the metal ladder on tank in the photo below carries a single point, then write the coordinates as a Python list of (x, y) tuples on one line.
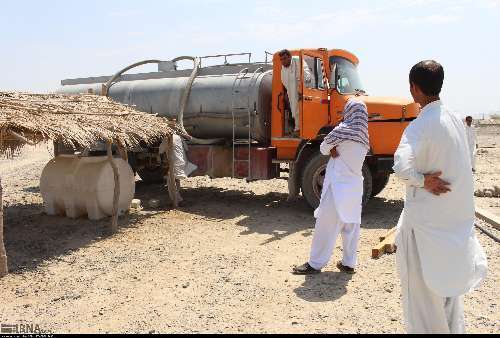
[(253, 80)]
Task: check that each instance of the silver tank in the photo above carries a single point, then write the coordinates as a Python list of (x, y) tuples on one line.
[(216, 93)]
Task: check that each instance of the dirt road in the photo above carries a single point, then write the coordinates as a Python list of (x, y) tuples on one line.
[(220, 264)]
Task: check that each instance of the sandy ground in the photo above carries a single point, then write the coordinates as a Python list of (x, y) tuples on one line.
[(488, 166), (220, 264)]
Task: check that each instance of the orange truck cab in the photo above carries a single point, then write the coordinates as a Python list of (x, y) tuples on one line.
[(335, 79)]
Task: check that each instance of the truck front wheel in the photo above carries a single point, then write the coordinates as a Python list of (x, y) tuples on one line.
[(313, 177), (380, 181)]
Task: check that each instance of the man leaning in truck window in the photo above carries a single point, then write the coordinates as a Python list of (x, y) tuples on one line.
[(439, 258), (339, 211), (290, 78)]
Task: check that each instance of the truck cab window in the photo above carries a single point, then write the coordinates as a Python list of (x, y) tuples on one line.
[(314, 79), (319, 70), (343, 84), (309, 78), (347, 81)]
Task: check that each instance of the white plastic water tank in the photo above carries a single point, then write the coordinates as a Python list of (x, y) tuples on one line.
[(76, 187)]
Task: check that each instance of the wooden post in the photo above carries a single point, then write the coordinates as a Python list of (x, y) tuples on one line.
[(171, 185), (122, 152), (104, 90), (116, 193), (390, 232), (3, 255), (386, 245)]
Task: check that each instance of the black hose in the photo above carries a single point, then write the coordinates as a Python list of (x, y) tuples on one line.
[(105, 88), (495, 238), (184, 98)]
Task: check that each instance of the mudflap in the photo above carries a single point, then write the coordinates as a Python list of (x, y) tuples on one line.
[(293, 183)]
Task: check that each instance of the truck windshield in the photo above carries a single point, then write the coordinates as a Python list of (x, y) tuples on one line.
[(348, 81)]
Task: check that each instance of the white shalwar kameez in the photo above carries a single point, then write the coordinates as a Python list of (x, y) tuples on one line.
[(439, 258), (290, 77), (472, 141), (182, 167), (340, 207)]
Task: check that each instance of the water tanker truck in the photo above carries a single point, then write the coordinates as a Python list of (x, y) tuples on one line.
[(238, 116)]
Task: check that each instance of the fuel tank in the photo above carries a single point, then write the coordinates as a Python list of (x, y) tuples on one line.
[(218, 93)]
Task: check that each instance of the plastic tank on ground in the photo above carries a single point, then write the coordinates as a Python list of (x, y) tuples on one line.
[(76, 187)]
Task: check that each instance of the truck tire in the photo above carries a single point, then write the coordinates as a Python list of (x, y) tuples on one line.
[(151, 175), (367, 184), (313, 177), (380, 181)]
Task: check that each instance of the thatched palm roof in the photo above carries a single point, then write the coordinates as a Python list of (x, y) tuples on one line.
[(75, 120)]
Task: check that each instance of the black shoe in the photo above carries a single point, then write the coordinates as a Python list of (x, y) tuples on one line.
[(305, 269), (345, 269)]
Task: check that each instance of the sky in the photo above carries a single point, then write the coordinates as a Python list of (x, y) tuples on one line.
[(43, 42)]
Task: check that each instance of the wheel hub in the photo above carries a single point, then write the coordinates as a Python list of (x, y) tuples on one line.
[(319, 180)]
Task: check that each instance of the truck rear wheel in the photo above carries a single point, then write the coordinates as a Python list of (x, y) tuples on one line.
[(151, 175), (313, 177), (380, 181)]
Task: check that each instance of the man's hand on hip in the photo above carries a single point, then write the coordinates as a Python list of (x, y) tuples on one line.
[(436, 185), (334, 153)]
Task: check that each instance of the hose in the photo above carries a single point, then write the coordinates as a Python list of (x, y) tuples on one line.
[(187, 89), (489, 234), (105, 88), (184, 100), (185, 94)]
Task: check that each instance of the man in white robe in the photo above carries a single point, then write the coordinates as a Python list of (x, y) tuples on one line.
[(339, 211), (290, 78), (472, 141), (439, 258), (182, 167)]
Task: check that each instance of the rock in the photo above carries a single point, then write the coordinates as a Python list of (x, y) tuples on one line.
[(479, 193), (488, 193), (135, 204), (154, 203), (389, 287), (497, 191)]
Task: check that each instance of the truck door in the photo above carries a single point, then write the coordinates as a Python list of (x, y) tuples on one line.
[(314, 103)]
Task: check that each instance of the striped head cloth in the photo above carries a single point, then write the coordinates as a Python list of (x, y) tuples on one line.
[(354, 126)]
